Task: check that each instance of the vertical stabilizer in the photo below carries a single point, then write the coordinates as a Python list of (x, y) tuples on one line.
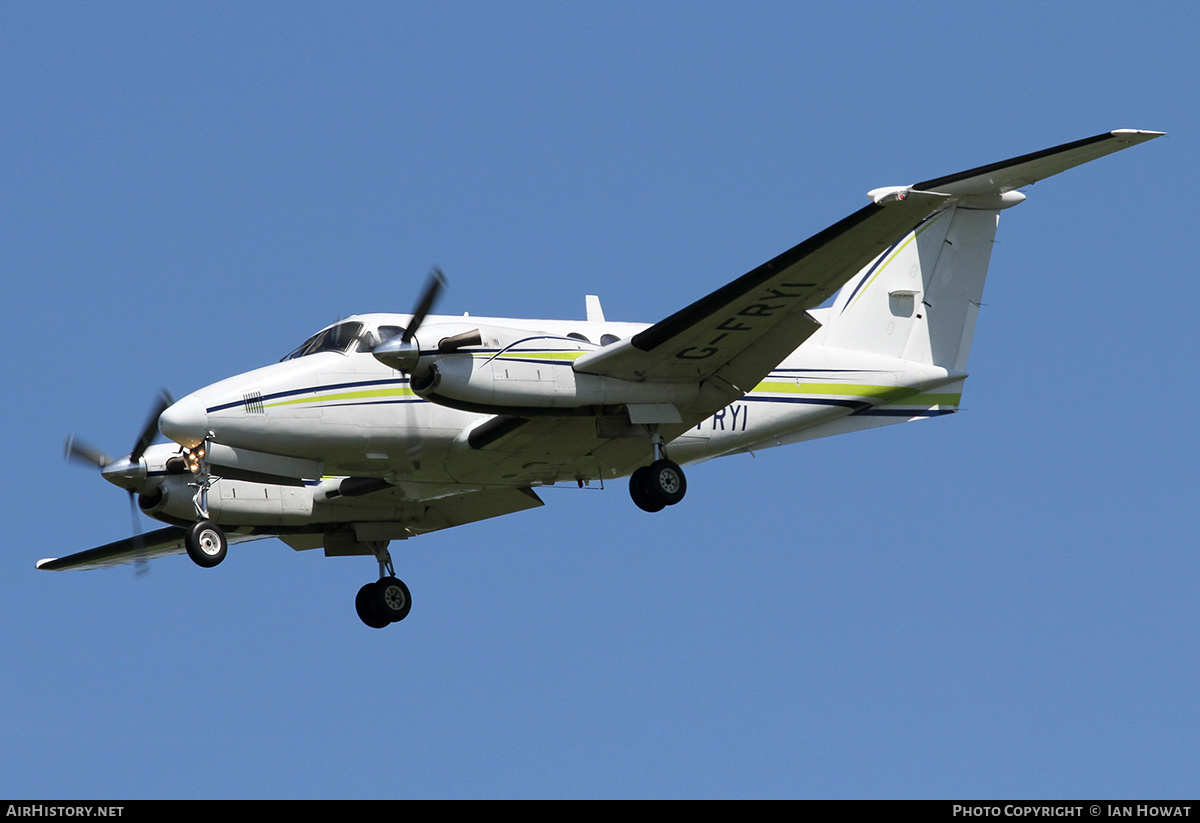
[(919, 299)]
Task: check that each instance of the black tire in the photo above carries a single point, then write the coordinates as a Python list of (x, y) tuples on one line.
[(642, 492), (667, 482), (205, 543), (364, 603), (391, 599)]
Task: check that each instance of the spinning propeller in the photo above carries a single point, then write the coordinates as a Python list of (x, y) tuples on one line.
[(402, 351), (128, 472), (434, 286)]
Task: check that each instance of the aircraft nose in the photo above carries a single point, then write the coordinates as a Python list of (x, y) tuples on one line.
[(185, 422)]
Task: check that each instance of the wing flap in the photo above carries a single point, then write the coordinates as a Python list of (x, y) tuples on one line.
[(459, 510), (546, 450)]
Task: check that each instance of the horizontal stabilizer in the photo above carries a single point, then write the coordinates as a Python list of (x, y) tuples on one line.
[(1007, 175)]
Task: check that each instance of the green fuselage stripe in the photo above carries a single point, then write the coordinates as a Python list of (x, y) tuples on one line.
[(888, 394), (349, 395)]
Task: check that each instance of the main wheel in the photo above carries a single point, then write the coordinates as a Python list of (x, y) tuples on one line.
[(392, 599), (642, 492), (364, 603), (205, 543), (667, 481)]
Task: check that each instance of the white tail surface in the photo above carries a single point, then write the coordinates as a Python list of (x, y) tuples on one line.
[(918, 300)]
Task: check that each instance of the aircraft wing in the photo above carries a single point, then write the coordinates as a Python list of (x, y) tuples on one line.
[(419, 515), (742, 330), (161, 543), (745, 328)]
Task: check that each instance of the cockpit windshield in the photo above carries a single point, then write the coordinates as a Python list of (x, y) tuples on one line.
[(335, 338)]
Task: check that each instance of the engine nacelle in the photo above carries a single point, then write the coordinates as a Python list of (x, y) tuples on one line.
[(407, 356), (534, 377), (234, 502)]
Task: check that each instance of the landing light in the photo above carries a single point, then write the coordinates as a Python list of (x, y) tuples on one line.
[(193, 460)]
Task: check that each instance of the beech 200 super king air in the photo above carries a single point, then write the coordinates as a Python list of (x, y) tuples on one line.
[(382, 427)]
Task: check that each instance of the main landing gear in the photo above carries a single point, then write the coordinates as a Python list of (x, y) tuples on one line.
[(660, 484), (387, 600)]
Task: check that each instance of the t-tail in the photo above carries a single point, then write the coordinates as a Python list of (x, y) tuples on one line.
[(910, 314)]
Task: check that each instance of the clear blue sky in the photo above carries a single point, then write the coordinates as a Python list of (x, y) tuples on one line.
[(998, 603)]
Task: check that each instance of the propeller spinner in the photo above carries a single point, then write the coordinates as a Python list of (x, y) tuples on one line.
[(403, 351), (128, 472)]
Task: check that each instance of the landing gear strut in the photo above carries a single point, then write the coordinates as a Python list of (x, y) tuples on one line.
[(660, 484), (387, 600), (205, 541)]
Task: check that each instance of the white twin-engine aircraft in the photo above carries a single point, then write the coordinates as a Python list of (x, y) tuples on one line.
[(385, 426)]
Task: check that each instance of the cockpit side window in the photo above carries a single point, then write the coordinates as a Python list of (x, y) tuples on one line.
[(386, 333), (336, 338), (371, 339)]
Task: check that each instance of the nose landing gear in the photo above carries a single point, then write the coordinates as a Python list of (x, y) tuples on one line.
[(205, 543)]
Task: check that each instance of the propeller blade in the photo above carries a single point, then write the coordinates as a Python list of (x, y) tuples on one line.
[(141, 566), (151, 427), (128, 473), (81, 452), (433, 287)]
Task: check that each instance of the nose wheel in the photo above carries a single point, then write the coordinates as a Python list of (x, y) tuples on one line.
[(205, 543)]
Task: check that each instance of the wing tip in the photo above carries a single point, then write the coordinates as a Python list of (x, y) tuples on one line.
[(45, 562), (1136, 135)]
